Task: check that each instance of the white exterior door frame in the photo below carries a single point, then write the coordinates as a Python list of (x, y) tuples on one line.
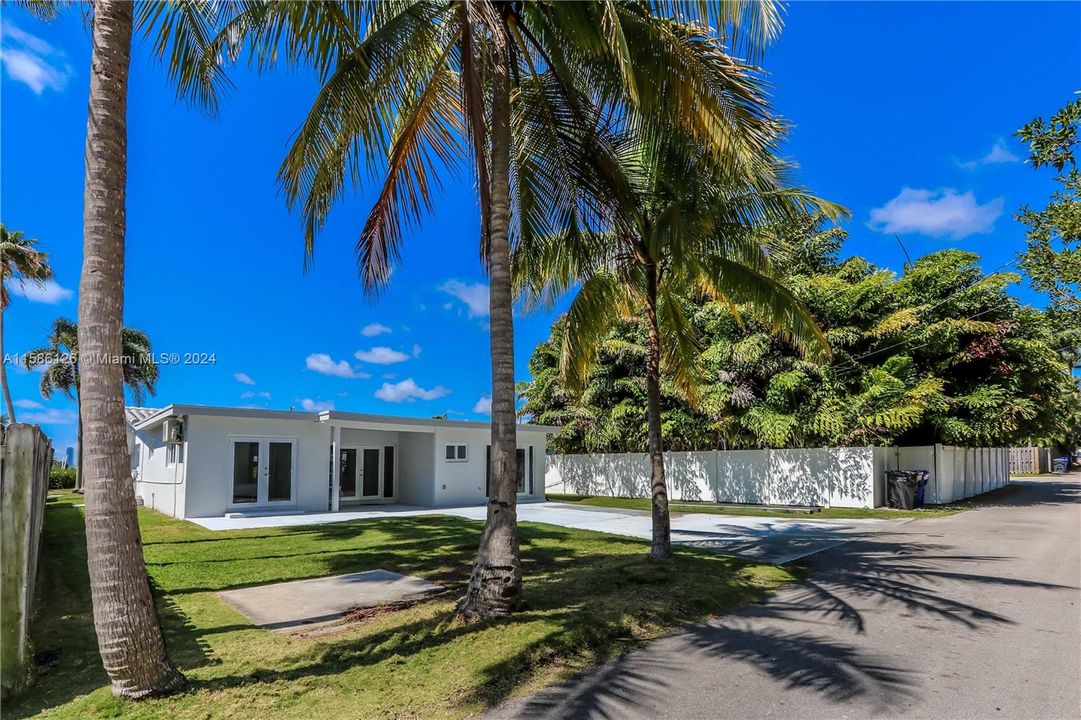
[(262, 496)]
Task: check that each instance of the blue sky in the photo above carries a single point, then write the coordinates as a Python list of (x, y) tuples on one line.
[(902, 112)]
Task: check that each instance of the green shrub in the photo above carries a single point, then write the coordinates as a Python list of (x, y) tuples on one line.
[(61, 478)]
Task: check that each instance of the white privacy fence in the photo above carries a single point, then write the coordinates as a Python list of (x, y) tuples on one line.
[(827, 477)]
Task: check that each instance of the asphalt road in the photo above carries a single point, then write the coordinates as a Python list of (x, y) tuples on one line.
[(973, 616)]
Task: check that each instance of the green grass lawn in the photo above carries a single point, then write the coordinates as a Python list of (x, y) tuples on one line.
[(588, 598), (750, 510)]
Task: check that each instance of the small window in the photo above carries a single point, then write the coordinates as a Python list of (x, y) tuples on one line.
[(457, 453), (174, 453)]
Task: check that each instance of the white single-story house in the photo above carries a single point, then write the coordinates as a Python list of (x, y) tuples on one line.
[(200, 461)]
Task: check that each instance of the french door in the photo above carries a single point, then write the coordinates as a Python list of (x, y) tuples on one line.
[(366, 473), (264, 471)]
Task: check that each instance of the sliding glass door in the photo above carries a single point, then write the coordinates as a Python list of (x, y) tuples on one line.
[(264, 471)]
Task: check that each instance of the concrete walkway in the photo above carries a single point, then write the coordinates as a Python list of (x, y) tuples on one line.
[(976, 615), (775, 540)]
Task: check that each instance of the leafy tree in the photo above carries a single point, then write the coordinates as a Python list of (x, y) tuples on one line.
[(1052, 259), (940, 354), (21, 262), (60, 362), (689, 229), (411, 90)]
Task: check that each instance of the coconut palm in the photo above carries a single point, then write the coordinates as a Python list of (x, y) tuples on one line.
[(60, 362), (21, 262), (410, 90), (689, 228), (129, 635)]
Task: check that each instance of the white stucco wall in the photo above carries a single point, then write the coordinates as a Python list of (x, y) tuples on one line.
[(827, 477), (209, 460), (161, 486), (462, 483), (416, 468), (200, 485)]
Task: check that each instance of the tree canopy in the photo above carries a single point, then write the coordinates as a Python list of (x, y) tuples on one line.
[(941, 353)]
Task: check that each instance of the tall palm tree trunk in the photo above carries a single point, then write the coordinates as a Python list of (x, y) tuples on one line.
[(129, 636), (4, 372), (78, 444), (662, 524), (496, 583)]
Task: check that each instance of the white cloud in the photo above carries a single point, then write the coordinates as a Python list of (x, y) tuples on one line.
[(998, 154), (248, 395), (373, 329), (326, 365), (48, 292), (49, 416), (417, 350), (243, 378), (944, 213), (310, 405), (473, 295), (29, 405), (484, 405), (32, 61), (407, 391), (381, 356)]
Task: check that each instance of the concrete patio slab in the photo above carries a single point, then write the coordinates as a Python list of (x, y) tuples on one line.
[(287, 606)]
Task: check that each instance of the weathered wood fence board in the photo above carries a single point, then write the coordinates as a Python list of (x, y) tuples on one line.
[(25, 458), (1030, 460)]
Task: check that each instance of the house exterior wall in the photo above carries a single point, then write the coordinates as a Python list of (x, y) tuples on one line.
[(199, 484), (463, 482), (209, 460), (416, 468), (161, 486)]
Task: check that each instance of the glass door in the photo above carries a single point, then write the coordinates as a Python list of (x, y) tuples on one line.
[(245, 488), (348, 467), (371, 478), (279, 471), (263, 471)]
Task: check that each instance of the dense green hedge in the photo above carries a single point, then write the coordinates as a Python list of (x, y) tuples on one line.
[(61, 477)]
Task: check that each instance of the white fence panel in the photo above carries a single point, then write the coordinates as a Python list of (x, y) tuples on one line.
[(827, 477)]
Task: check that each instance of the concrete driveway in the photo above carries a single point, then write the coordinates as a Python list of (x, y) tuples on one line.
[(765, 539), (976, 615)]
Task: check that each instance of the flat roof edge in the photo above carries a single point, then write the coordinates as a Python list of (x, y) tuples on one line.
[(324, 416)]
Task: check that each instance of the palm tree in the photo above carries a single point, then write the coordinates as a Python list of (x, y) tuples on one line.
[(516, 90), (688, 228), (60, 359), (22, 262), (129, 635)]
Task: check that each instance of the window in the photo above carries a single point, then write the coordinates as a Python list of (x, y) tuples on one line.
[(457, 453), (174, 453)]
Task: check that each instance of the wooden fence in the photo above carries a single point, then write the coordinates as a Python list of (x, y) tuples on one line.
[(1030, 460), (25, 458)]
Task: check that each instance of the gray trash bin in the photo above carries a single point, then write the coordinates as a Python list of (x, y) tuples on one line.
[(1060, 465)]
